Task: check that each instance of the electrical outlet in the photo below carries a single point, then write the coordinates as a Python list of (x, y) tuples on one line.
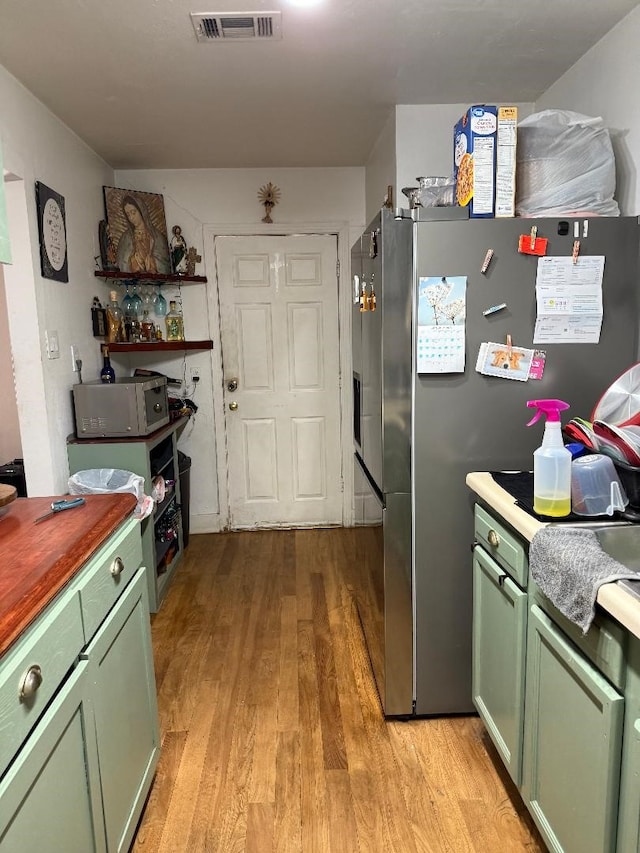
[(195, 374), (75, 355)]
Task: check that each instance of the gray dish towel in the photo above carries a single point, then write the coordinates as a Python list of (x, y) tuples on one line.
[(569, 566)]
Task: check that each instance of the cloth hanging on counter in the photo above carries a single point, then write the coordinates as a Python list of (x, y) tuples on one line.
[(569, 566)]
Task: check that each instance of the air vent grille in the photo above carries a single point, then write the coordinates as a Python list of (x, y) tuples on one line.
[(241, 26)]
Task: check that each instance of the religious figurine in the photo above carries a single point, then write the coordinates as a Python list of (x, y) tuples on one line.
[(107, 248), (178, 251), (269, 196), (193, 258)]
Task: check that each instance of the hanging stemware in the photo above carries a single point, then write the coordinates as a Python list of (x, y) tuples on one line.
[(136, 302), (160, 304)]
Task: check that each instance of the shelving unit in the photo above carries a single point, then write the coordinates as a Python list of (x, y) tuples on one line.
[(157, 346), (151, 277), (154, 278), (149, 456)]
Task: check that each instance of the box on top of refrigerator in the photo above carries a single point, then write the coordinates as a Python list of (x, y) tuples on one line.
[(474, 160), (506, 161)]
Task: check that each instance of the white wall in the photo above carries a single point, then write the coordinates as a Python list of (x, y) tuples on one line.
[(604, 82), (381, 169), (202, 199), (38, 147)]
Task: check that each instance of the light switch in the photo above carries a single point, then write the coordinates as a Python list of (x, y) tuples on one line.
[(53, 345)]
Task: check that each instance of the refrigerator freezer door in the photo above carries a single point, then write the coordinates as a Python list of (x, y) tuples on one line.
[(383, 590)]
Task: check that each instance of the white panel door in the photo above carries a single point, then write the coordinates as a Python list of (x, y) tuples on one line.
[(279, 332)]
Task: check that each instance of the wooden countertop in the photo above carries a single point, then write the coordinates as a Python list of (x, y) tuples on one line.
[(611, 597), (36, 561)]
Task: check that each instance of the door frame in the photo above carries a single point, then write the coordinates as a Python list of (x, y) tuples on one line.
[(341, 231)]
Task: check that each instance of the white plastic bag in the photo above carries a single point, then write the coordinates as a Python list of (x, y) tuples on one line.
[(104, 481), (565, 166)]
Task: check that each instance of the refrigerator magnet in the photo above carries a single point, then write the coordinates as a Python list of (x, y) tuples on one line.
[(504, 361)]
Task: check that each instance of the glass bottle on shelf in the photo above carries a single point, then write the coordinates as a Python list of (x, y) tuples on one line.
[(115, 320), (107, 374), (175, 323), (148, 331)]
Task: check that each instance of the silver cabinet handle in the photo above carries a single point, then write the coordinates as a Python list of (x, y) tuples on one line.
[(29, 683), (493, 539), (117, 567), (233, 406)]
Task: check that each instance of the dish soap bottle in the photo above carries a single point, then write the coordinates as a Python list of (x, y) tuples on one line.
[(551, 462)]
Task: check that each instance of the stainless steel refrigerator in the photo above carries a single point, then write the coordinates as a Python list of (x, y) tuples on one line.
[(417, 435)]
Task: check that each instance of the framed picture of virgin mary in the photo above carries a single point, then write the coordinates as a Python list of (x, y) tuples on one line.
[(138, 228)]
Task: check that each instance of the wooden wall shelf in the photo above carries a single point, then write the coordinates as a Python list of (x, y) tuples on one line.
[(154, 277), (159, 346)]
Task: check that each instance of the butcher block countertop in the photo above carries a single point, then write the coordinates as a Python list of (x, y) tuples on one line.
[(611, 597), (37, 560)]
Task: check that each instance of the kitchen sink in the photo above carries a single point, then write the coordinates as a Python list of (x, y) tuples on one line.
[(622, 542)]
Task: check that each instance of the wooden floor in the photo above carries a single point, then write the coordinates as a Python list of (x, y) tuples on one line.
[(272, 734)]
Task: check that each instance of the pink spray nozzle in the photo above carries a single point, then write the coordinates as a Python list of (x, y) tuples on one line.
[(550, 408)]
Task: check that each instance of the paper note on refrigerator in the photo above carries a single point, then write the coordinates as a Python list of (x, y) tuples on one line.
[(569, 300), (442, 304)]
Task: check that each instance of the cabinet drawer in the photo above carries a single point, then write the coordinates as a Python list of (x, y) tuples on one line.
[(503, 545), (108, 574), (53, 644)]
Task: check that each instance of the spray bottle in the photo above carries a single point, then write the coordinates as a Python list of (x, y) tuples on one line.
[(551, 462)]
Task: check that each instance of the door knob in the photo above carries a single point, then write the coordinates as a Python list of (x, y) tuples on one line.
[(232, 385), (233, 406)]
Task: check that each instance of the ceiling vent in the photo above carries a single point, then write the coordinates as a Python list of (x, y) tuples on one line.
[(240, 26)]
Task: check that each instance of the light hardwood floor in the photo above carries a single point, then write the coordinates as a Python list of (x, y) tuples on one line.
[(272, 733)]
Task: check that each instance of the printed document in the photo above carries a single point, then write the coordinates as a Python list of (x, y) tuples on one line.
[(569, 300)]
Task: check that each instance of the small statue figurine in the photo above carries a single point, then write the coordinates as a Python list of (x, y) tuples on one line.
[(107, 248), (178, 251), (269, 196)]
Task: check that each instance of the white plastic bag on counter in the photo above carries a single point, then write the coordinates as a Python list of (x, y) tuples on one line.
[(106, 481), (565, 166)]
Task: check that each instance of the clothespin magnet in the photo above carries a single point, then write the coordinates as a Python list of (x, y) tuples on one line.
[(494, 308), (531, 244), (487, 260), (576, 251), (509, 345)]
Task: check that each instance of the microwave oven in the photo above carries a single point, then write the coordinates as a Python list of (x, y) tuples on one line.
[(137, 405)]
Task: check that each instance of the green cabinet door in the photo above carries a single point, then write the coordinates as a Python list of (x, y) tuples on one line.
[(50, 797), (126, 713), (499, 637), (573, 736), (629, 815)]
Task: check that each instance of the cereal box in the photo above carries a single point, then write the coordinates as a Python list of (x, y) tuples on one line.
[(474, 160), (506, 161)]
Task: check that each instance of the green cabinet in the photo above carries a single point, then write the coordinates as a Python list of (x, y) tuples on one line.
[(499, 637), (125, 709), (573, 740), (149, 457), (553, 701), (50, 796), (81, 738)]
